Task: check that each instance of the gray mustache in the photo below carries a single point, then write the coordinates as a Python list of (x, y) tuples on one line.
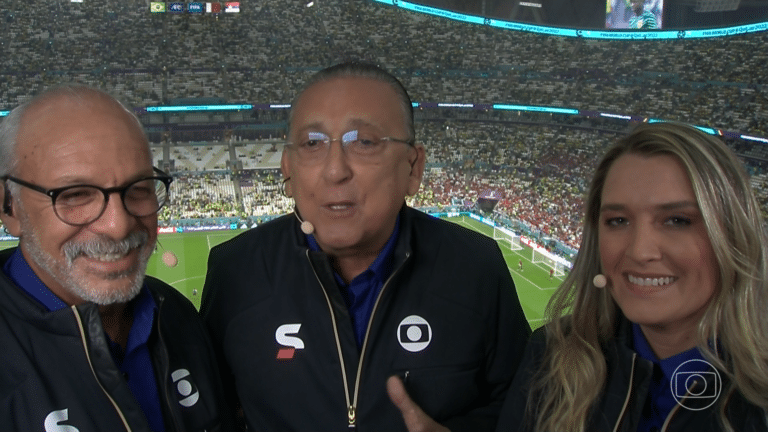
[(105, 245)]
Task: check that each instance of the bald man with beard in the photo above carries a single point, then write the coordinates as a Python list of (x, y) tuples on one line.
[(88, 342)]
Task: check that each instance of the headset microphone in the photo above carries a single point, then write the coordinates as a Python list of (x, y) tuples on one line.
[(600, 281), (306, 226)]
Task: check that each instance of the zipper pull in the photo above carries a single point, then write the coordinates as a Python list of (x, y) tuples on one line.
[(352, 418)]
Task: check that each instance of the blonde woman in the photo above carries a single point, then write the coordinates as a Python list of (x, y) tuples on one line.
[(661, 324)]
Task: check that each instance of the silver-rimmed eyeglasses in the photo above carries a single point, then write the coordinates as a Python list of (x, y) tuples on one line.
[(361, 145), (82, 204)]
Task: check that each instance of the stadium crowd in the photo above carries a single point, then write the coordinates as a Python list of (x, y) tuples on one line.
[(539, 172), (255, 57)]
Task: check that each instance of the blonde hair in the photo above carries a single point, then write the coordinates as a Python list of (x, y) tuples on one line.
[(731, 334)]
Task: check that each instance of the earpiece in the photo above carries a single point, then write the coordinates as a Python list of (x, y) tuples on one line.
[(7, 208), (600, 281), (282, 187)]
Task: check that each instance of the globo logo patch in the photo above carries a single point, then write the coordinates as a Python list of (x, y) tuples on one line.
[(185, 388), (414, 333)]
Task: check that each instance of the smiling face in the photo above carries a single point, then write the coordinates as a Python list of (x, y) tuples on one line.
[(63, 142), (352, 202), (654, 246)]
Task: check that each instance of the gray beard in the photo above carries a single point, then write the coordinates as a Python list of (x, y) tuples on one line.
[(76, 284)]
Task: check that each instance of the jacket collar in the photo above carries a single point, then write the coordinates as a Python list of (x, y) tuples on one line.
[(402, 246), (14, 300), (628, 379)]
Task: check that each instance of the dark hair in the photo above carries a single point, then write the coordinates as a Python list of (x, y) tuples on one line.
[(362, 70)]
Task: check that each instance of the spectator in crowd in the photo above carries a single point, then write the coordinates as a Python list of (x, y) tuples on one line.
[(323, 313), (88, 342), (660, 324)]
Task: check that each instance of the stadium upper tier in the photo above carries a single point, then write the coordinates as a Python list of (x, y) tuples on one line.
[(264, 53)]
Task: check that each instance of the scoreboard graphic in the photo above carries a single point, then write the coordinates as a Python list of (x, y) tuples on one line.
[(194, 7)]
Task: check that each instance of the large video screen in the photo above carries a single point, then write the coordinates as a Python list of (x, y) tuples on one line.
[(634, 14)]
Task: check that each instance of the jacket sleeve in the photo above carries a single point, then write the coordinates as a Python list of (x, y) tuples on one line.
[(505, 353), (211, 309), (513, 412)]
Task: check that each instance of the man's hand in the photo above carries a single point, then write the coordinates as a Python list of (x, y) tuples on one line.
[(415, 419)]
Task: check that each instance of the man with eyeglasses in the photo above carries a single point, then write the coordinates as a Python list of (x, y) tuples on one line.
[(88, 342), (357, 312)]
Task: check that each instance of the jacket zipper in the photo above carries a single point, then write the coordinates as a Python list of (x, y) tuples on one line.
[(671, 414), (629, 393), (675, 410), (84, 339), (352, 404)]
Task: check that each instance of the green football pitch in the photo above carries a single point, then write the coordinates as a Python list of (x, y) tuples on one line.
[(534, 287)]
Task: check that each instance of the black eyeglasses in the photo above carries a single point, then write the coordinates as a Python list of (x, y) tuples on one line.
[(82, 204)]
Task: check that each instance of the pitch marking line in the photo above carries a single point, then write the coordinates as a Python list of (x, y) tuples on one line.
[(208, 239), (510, 268), (173, 284), (529, 281)]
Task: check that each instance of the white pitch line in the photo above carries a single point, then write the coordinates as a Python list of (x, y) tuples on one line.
[(516, 274), (208, 239), (510, 269), (185, 279)]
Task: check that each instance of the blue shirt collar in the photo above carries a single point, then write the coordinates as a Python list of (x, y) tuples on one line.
[(668, 365), (19, 271), (144, 309), (660, 397), (361, 292), (381, 267)]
